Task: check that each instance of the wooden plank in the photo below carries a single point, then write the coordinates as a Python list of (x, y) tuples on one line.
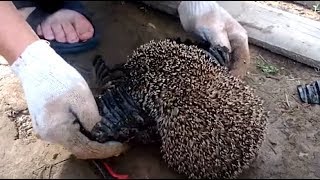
[(278, 31), (287, 34)]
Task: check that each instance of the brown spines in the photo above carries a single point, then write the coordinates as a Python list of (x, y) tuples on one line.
[(211, 124)]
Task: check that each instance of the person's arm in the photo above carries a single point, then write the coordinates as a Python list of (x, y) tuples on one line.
[(59, 99), (208, 20), (15, 32), (214, 24)]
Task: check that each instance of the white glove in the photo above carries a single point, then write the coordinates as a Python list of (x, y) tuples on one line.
[(214, 24), (59, 100)]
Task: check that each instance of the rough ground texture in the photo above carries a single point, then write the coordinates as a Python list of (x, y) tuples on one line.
[(291, 148), (304, 9)]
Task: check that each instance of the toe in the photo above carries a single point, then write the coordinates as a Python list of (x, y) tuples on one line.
[(59, 33), (84, 28), (70, 32), (67, 26), (47, 31), (39, 30)]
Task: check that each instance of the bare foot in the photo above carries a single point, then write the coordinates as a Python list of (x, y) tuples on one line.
[(63, 26)]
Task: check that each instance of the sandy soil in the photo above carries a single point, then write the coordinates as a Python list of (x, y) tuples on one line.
[(291, 148), (297, 9)]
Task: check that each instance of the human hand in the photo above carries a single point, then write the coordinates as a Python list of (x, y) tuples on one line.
[(60, 102), (212, 23)]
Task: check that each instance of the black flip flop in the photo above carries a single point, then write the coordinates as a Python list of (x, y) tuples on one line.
[(40, 13)]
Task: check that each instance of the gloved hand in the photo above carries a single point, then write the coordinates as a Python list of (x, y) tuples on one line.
[(212, 23), (60, 102)]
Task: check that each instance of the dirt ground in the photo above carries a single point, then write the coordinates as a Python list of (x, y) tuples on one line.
[(291, 148), (305, 9)]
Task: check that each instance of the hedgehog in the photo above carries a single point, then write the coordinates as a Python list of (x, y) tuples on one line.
[(208, 123)]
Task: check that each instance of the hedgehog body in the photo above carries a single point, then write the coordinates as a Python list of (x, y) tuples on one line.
[(210, 123)]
